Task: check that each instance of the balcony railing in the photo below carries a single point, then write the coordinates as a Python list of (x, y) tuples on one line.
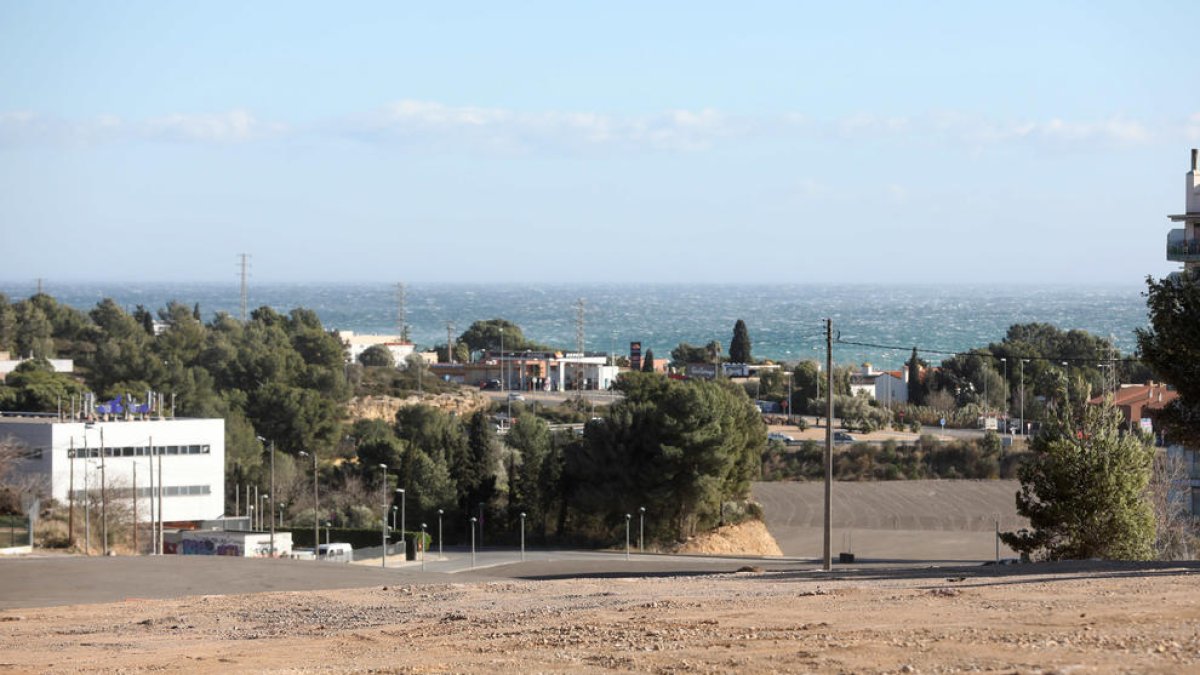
[(1183, 251)]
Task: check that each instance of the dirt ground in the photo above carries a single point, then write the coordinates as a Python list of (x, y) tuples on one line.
[(1079, 617)]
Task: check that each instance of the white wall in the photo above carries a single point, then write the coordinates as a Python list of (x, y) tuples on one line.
[(204, 470)]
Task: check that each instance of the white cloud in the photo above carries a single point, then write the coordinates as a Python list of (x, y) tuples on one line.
[(229, 127), (499, 127)]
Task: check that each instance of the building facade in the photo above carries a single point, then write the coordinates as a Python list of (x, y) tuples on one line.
[(78, 458), (1183, 245)]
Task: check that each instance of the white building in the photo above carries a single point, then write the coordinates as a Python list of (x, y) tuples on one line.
[(1183, 244), (887, 386), (8, 364), (192, 453), (357, 344)]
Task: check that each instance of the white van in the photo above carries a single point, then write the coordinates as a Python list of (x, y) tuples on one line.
[(336, 552)]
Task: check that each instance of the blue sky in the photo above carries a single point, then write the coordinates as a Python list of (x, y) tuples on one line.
[(536, 142)]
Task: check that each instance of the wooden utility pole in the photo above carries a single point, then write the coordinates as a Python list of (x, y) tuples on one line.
[(828, 560)]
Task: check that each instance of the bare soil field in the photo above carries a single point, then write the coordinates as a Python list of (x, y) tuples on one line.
[(1078, 617)]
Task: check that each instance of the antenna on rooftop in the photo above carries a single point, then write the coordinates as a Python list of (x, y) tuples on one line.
[(39, 285), (245, 295), (401, 325)]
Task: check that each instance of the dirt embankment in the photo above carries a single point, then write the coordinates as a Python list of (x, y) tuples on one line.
[(384, 408), (748, 538)]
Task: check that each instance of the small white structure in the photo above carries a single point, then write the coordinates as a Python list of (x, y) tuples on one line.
[(357, 344), (886, 386), (238, 544), (192, 452), (8, 365)]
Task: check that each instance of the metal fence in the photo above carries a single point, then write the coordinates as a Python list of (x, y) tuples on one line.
[(14, 531)]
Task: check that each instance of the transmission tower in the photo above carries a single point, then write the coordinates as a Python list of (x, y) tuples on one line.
[(245, 293), (401, 324)]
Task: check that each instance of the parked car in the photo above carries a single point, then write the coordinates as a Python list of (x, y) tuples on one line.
[(774, 436), (842, 437), (491, 385), (516, 396)]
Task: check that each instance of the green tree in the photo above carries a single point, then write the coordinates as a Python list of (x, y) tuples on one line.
[(686, 353), (678, 448), (806, 385), (1171, 347), (377, 356), (34, 332), (433, 431), (489, 334), (916, 384), (8, 325), (530, 437), (648, 361), (475, 468), (739, 346), (34, 387), (1084, 491)]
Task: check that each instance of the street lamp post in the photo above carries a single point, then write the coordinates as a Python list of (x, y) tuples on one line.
[(1007, 408), (383, 521), (316, 506), (642, 525), (1021, 370), (328, 526), (423, 547), (265, 519), (403, 523), (627, 519), (440, 512), (395, 512), (272, 491), (473, 521), (522, 536)]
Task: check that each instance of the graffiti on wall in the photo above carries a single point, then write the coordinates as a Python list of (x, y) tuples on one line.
[(210, 547)]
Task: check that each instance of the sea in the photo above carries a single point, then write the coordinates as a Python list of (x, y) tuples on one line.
[(786, 321)]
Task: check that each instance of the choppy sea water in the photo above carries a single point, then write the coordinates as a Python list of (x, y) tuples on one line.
[(785, 321)]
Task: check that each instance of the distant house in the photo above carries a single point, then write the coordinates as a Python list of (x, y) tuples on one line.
[(1139, 403), (886, 386), (357, 344)]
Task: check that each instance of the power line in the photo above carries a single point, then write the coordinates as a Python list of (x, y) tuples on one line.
[(984, 354)]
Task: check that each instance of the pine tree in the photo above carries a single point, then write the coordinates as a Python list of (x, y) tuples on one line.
[(739, 346), (1171, 347), (1084, 491), (916, 392), (648, 362)]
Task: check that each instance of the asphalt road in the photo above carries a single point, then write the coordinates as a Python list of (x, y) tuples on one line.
[(50, 580)]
